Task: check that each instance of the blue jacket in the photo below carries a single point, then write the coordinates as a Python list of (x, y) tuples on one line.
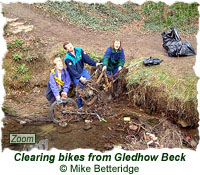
[(75, 65), (113, 59), (52, 89)]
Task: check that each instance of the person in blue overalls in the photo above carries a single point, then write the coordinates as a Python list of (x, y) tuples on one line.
[(75, 59), (59, 82), (114, 58)]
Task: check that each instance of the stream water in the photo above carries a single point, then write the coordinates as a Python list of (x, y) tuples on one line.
[(100, 135)]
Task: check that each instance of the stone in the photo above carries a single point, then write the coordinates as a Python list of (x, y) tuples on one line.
[(15, 24), (133, 127), (9, 20), (183, 123), (87, 127), (108, 146)]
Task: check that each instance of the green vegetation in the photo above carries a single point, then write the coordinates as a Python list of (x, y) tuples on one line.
[(22, 69), (15, 43), (159, 16), (18, 56), (8, 110), (182, 87), (94, 56), (31, 58), (61, 52), (26, 78), (23, 61), (25, 48), (9, 45), (14, 76), (106, 16), (109, 16)]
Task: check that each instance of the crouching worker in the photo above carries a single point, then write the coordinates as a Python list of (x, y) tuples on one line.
[(59, 82), (114, 58), (75, 59)]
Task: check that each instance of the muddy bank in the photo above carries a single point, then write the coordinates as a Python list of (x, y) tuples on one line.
[(160, 91), (155, 100)]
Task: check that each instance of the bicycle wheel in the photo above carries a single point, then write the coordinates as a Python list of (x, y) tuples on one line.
[(62, 112), (88, 93)]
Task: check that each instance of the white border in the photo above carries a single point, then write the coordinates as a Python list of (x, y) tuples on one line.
[(9, 166)]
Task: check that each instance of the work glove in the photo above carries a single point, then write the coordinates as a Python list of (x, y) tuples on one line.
[(58, 100), (119, 68), (83, 80), (98, 64), (58, 97), (104, 68)]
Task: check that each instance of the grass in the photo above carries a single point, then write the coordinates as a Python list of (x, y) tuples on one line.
[(109, 16), (159, 90), (159, 16), (182, 87), (106, 16), (8, 110)]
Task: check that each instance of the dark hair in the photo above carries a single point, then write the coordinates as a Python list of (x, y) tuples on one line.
[(65, 43), (113, 42)]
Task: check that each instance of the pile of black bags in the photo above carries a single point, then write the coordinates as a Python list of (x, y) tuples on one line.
[(174, 46)]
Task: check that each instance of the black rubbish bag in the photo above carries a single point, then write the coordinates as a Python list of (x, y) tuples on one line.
[(174, 46), (151, 61)]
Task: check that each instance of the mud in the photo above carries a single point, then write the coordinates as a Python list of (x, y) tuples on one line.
[(102, 136)]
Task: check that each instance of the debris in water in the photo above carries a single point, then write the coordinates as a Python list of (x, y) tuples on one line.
[(127, 119), (63, 124)]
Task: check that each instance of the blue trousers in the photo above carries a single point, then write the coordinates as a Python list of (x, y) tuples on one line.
[(113, 71), (75, 81)]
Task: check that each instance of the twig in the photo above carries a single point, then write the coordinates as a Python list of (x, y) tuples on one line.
[(158, 124), (146, 140), (140, 125), (92, 88), (179, 138)]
